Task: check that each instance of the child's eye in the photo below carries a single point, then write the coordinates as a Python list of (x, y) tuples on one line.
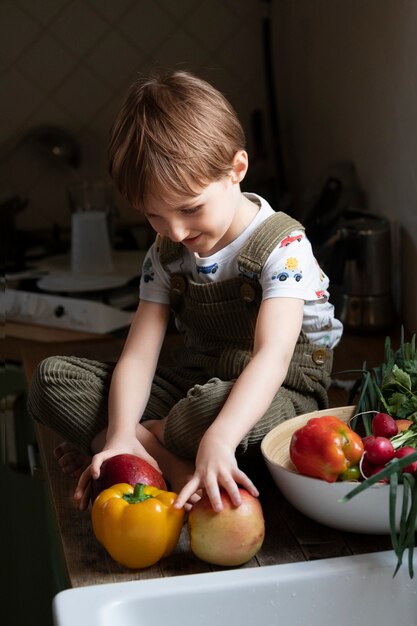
[(191, 210)]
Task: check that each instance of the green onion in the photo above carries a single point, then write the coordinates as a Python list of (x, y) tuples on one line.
[(405, 539)]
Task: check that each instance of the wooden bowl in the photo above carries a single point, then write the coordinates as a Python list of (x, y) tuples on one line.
[(367, 512)]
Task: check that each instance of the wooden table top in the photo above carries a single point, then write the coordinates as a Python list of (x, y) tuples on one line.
[(290, 536)]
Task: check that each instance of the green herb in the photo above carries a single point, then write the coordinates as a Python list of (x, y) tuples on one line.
[(406, 438), (392, 388)]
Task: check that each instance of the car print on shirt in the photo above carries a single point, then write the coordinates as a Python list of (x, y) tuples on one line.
[(148, 274), (288, 239), (290, 271), (207, 269)]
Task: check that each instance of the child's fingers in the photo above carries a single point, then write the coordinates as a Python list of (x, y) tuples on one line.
[(251, 488), (83, 483), (213, 492), (85, 498), (233, 490), (244, 480), (187, 492), (96, 464), (239, 479)]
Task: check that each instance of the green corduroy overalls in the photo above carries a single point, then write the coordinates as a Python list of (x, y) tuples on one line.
[(69, 394)]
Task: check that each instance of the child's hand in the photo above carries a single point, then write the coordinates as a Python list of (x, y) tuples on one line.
[(83, 489), (216, 467), (112, 448)]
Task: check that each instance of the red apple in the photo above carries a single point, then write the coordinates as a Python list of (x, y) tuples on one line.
[(126, 468), (230, 537)]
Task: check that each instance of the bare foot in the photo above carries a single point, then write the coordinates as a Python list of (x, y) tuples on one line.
[(71, 460)]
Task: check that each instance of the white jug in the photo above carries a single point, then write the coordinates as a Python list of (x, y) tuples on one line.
[(90, 243)]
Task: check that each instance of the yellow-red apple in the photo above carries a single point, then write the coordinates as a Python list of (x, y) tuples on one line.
[(230, 537)]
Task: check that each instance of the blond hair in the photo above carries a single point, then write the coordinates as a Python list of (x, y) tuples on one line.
[(174, 135)]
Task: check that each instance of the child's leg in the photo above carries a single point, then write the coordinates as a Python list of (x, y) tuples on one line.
[(188, 420), (69, 395)]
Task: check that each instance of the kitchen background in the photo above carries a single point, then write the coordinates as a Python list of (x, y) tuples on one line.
[(343, 92), (69, 64), (344, 81)]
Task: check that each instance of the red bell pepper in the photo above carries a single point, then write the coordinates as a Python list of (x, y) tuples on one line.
[(325, 448)]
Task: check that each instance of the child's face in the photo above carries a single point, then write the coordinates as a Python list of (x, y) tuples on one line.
[(205, 223)]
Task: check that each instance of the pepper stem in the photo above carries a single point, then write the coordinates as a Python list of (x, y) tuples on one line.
[(138, 494)]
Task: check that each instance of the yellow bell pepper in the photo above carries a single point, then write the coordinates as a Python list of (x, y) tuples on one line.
[(137, 526)]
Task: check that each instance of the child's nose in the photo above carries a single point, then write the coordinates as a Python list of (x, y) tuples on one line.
[(176, 231)]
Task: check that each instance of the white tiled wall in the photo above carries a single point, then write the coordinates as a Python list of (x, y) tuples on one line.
[(69, 62)]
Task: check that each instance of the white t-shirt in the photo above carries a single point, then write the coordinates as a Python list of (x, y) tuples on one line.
[(291, 271)]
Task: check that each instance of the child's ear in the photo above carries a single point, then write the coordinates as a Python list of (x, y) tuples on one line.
[(240, 165)]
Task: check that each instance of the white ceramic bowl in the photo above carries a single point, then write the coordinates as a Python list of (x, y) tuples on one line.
[(367, 512)]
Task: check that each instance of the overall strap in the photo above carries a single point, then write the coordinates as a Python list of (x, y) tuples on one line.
[(262, 242), (169, 251)]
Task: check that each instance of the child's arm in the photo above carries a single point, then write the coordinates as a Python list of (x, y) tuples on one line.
[(130, 388), (277, 330), (133, 375)]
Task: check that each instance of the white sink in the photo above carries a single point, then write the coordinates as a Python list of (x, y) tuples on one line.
[(347, 591)]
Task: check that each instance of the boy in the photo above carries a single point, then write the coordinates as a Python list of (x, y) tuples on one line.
[(244, 287)]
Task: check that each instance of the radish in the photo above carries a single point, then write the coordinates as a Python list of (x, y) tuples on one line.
[(405, 451), (383, 425), (374, 470), (378, 450), (368, 469), (367, 438)]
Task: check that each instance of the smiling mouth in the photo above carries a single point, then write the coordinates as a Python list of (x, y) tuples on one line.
[(190, 239)]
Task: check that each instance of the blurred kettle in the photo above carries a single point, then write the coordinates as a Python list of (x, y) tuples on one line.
[(362, 265)]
